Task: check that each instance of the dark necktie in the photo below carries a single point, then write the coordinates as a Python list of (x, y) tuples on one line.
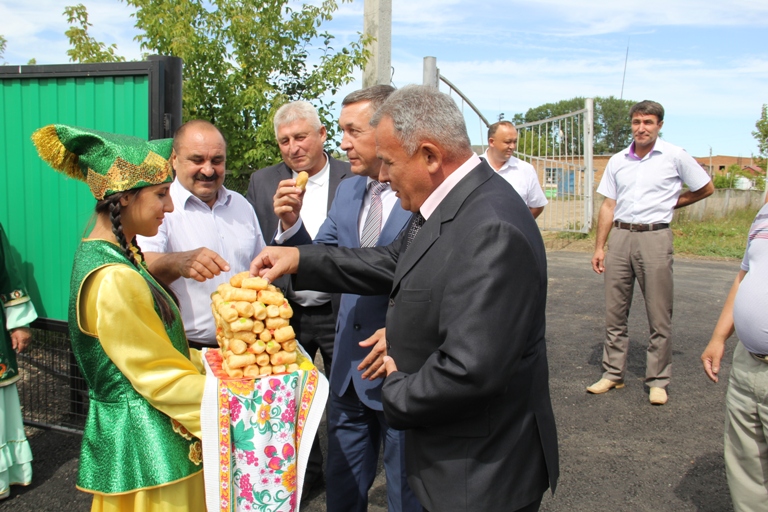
[(372, 226), (416, 223)]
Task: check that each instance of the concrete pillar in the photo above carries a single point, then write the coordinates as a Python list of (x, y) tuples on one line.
[(431, 73), (377, 23)]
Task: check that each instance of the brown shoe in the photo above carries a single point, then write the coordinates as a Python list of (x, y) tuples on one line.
[(603, 386), (658, 396)]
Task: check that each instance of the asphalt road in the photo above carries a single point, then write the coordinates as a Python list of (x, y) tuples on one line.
[(617, 452)]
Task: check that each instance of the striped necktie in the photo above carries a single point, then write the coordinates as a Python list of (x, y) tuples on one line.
[(372, 226)]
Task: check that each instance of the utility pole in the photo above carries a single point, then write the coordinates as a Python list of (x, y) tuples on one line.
[(377, 23)]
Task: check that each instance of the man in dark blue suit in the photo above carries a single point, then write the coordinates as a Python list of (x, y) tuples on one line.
[(364, 213)]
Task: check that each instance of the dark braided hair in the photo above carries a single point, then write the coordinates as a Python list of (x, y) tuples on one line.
[(112, 206)]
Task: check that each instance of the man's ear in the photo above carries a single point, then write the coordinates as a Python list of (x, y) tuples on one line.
[(173, 159), (432, 156)]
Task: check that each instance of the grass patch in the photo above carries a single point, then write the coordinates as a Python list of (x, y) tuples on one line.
[(719, 238), (710, 238)]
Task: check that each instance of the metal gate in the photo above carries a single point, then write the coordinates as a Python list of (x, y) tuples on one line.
[(560, 149)]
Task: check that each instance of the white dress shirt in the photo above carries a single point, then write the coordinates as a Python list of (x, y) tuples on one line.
[(314, 210), (523, 178), (646, 189), (230, 229), (388, 201)]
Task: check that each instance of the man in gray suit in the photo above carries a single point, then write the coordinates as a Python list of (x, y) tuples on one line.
[(301, 136), (467, 375)]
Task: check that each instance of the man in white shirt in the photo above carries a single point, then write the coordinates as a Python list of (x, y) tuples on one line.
[(642, 185), (502, 143), (211, 235)]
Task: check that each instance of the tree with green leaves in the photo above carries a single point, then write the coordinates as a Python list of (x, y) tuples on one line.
[(84, 47), (3, 43), (243, 59), (612, 128), (761, 136)]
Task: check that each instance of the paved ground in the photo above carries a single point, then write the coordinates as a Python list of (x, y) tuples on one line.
[(617, 451)]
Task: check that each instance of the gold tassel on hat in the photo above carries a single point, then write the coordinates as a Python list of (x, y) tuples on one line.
[(52, 151)]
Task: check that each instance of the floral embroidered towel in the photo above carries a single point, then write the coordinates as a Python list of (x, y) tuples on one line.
[(256, 439)]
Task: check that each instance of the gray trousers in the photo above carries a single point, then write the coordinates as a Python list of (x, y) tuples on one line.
[(746, 432), (647, 257)]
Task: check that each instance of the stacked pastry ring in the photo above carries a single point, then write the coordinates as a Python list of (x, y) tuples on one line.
[(253, 329)]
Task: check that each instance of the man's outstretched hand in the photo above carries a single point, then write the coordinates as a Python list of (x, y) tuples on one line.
[(274, 262)]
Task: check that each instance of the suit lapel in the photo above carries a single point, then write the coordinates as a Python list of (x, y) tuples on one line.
[(444, 214), (397, 220)]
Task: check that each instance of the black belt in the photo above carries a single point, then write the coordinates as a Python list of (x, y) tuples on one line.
[(763, 358), (640, 227)]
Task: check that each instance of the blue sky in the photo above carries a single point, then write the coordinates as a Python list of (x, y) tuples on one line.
[(705, 61)]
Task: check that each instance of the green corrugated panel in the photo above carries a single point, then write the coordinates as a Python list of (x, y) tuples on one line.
[(44, 213)]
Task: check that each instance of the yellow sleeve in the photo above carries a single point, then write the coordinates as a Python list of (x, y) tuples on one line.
[(196, 356), (116, 306)]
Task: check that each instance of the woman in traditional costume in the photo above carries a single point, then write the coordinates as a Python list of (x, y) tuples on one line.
[(18, 313), (141, 445)]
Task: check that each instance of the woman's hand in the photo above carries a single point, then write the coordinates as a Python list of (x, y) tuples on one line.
[(20, 338)]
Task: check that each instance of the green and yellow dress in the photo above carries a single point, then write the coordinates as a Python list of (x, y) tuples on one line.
[(17, 311), (141, 446)]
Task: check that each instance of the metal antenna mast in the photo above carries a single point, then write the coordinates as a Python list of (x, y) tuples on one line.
[(626, 57)]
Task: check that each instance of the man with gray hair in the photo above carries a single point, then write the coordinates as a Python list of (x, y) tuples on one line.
[(300, 136), (467, 375)]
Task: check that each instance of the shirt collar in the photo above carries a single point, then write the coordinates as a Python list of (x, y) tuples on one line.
[(510, 163), (437, 195), (321, 177), (182, 196), (658, 147)]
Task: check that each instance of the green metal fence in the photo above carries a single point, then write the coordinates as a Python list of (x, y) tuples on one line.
[(45, 214)]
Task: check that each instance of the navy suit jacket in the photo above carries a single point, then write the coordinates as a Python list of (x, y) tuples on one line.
[(359, 316)]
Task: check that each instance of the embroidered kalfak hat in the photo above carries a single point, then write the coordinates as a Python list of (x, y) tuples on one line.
[(107, 162)]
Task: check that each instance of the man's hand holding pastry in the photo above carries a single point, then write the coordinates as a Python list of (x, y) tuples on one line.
[(274, 262), (288, 200)]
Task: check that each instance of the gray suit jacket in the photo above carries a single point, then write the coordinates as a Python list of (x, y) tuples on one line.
[(263, 185), (466, 325)]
